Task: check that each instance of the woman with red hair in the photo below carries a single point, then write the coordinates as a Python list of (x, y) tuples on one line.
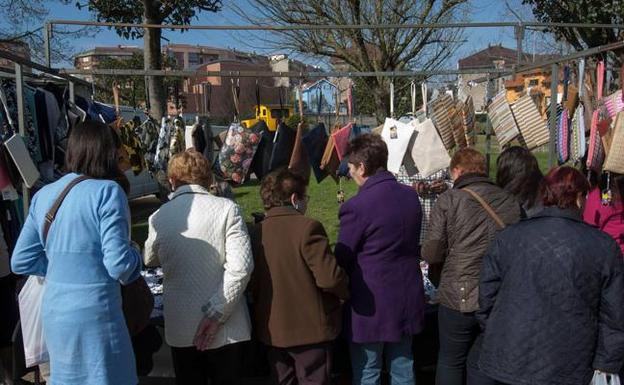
[(551, 303)]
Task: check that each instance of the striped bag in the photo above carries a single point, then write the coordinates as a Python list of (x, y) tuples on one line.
[(503, 122), (596, 154), (532, 126), (440, 109)]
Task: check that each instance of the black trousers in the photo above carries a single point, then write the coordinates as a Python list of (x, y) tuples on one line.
[(303, 365), (216, 366), (458, 332)]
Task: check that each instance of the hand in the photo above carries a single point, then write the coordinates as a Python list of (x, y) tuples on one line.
[(420, 187), (438, 186), (205, 333)]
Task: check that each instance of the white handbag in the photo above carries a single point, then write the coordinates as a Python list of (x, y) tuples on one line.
[(30, 299), (397, 136), (428, 152)]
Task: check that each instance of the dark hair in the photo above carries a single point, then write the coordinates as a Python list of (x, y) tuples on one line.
[(278, 186), (92, 150), (371, 151), (562, 186), (469, 160), (518, 172)]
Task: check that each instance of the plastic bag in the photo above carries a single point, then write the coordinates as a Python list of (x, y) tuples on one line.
[(30, 298), (601, 378)]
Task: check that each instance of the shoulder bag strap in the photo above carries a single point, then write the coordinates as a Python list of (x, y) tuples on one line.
[(487, 207), (51, 215)]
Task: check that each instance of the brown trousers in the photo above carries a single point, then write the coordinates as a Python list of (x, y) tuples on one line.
[(303, 365)]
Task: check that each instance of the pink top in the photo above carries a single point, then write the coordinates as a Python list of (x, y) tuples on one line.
[(609, 219)]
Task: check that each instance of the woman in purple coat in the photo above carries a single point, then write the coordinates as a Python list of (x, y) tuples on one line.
[(378, 246)]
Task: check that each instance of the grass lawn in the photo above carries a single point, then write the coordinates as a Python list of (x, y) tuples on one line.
[(323, 204)]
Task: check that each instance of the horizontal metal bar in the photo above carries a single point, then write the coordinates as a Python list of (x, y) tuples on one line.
[(334, 27), (47, 70), (270, 74)]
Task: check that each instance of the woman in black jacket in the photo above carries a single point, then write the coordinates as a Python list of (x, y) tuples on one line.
[(552, 294)]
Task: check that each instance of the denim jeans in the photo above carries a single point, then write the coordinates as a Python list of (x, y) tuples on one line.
[(367, 362), (458, 332)]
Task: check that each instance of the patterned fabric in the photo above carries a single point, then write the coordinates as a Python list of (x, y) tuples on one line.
[(237, 152), (148, 136), (563, 137), (530, 122), (133, 146), (426, 201), (503, 122), (161, 157), (177, 138), (32, 134), (440, 114)]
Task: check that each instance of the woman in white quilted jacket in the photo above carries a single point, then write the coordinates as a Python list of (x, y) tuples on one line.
[(202, 244)]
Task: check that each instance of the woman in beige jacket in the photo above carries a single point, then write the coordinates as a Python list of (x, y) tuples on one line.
[(202, 244)]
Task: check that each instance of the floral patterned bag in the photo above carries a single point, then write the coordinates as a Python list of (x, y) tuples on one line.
[(237, 152)]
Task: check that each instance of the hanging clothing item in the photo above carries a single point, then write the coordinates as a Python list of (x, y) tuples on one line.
[(459, 135), (397, 136), (596, 152), (615, 157), (262, 158), (441, 108), (577, 135), (341, 140), (532, 126), (330, 162), (32, 135), (208, 139), (177, 137), (132, 144), (503, 122), (238, 152), (161, 158), (315, 142), (563, 137), (468, 121), (614, 103), (299, 160), (343, 168), (428, 152), (46, 139), (282, 147), (148, 135)]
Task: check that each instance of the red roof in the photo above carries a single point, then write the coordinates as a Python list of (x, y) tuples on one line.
[(486, 57)]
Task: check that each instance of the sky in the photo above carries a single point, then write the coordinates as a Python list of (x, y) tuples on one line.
[(476, 39)]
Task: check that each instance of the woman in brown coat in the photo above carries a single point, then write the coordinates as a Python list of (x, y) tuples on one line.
[(297, 287)]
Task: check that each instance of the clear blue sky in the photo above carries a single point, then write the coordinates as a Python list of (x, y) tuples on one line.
[(481, 10)]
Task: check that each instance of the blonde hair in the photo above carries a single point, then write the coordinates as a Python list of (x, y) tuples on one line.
[(190, 167)]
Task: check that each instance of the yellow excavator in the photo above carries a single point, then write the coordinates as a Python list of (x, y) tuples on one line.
[(271, 114)]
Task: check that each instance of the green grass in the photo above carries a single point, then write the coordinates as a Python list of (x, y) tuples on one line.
[(323, 205)]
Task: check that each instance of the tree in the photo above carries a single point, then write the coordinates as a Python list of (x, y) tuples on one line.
[(366, 50), (581, 11), (132, 87), (150, 12)]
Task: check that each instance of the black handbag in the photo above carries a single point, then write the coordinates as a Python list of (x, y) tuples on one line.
[(137, 299)]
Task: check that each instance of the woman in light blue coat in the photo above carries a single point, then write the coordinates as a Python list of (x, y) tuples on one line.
[(87, 255)]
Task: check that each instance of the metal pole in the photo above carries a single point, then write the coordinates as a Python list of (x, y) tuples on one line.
[(488, 144), (552, 122), (336, 27), (72, 95), (519, 32), (21, 123), (47, 40)]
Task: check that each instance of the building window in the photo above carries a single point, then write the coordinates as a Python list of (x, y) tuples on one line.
[(533, 82), (194, 58), (85, 59)]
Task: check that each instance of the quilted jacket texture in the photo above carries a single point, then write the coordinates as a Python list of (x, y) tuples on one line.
[(460, 231), (552, 302)]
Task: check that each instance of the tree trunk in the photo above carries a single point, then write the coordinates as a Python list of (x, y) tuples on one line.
[(382, 101), (153, 60)]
